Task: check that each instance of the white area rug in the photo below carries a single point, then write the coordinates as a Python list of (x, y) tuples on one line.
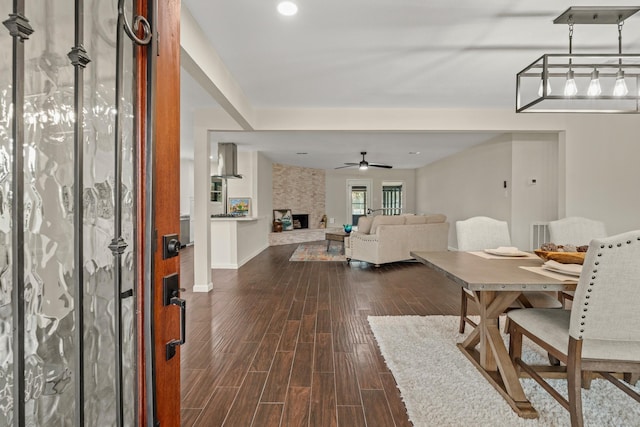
[(440, 387)]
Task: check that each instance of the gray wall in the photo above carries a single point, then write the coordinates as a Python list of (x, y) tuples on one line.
[(467, 184), (471, 183), (336, 184)]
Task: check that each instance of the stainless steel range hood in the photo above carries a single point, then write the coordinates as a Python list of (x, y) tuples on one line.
[(227, 160)]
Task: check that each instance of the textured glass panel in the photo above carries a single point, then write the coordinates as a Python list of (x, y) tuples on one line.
[(99, 185), (128, 223), (6, 312), (48, 214), (99, 93)]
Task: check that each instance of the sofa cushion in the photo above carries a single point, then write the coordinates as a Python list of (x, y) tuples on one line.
[(434, 218), (386, 220), (415, 219), (364, 224)]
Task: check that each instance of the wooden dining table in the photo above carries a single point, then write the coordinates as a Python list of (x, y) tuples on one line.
[(495, 284)]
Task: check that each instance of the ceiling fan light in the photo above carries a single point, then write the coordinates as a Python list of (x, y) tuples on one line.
[(570, 88), (363, 166), (594, 86), (620, 89)]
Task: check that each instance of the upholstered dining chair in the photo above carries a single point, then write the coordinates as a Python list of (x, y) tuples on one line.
[(577, 231), (479, 233), (600, 333)]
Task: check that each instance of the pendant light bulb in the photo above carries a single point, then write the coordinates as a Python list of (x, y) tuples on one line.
[(620, 89), (594, 85), (570, 88), (541, 87)]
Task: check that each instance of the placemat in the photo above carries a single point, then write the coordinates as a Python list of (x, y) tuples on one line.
[(557, 276), (485, 255)]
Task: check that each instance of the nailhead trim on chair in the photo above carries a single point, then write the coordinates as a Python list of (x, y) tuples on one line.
[(591, 284)]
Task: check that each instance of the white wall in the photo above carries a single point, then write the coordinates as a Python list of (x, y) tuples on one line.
[(602, 170), (471, 183), (186, 185), (336, 189), (247, 168), (264, 197), (467, 184), (534, 156)]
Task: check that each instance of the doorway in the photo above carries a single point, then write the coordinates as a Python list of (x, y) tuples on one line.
[(358, 199), (392, 197)]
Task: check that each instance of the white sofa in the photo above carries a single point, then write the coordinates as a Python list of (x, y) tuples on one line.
[(382, 239)]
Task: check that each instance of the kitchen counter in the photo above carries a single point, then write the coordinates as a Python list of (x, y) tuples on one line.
[(234, 218), (233, 240)]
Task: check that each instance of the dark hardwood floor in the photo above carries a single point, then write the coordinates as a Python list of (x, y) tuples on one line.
[(279, 343)]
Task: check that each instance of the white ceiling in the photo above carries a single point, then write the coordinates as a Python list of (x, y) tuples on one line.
[(382, 54)]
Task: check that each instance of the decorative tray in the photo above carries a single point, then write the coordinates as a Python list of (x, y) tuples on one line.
[(562, 257)]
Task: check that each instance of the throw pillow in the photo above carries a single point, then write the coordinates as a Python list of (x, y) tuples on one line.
[(433, 218), (386, 220), (415, 219), (364, 225)]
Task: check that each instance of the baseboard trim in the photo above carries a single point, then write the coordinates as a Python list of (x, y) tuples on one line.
[(203, 288), (240, 263), (251, 256)]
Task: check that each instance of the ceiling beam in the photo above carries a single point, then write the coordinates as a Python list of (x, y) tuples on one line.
[(201, 60)]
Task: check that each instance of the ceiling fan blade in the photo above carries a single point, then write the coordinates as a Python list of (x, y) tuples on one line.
[(364, 164)]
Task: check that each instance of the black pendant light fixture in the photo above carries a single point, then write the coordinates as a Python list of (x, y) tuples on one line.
[(583, 83)]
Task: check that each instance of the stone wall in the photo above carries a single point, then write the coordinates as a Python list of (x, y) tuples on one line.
[(300, 189)]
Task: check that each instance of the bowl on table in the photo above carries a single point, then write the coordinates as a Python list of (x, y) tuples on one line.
[(562, 257)]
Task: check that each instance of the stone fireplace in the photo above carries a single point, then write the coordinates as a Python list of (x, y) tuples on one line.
[(300, 189)]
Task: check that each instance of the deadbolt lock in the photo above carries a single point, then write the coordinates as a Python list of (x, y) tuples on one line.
[(170, 246)]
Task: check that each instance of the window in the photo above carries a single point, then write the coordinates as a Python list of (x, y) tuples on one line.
[(358, 203), (216, 189), (392, 198)]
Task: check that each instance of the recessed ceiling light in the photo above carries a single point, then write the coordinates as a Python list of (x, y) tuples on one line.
[(302, 153), (287, 8), (414, 152)]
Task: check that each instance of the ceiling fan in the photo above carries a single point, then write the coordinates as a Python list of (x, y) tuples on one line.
[(364, 165)]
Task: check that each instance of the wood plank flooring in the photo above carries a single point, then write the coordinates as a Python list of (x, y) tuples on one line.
[(279, 343)]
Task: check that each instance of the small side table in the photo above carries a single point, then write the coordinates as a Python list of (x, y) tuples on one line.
[(335, 236)]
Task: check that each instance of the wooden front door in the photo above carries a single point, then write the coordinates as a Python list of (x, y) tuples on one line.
[(165, 136)]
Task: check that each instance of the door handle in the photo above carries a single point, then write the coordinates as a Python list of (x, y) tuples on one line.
[(172, 297), (171, 345)]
